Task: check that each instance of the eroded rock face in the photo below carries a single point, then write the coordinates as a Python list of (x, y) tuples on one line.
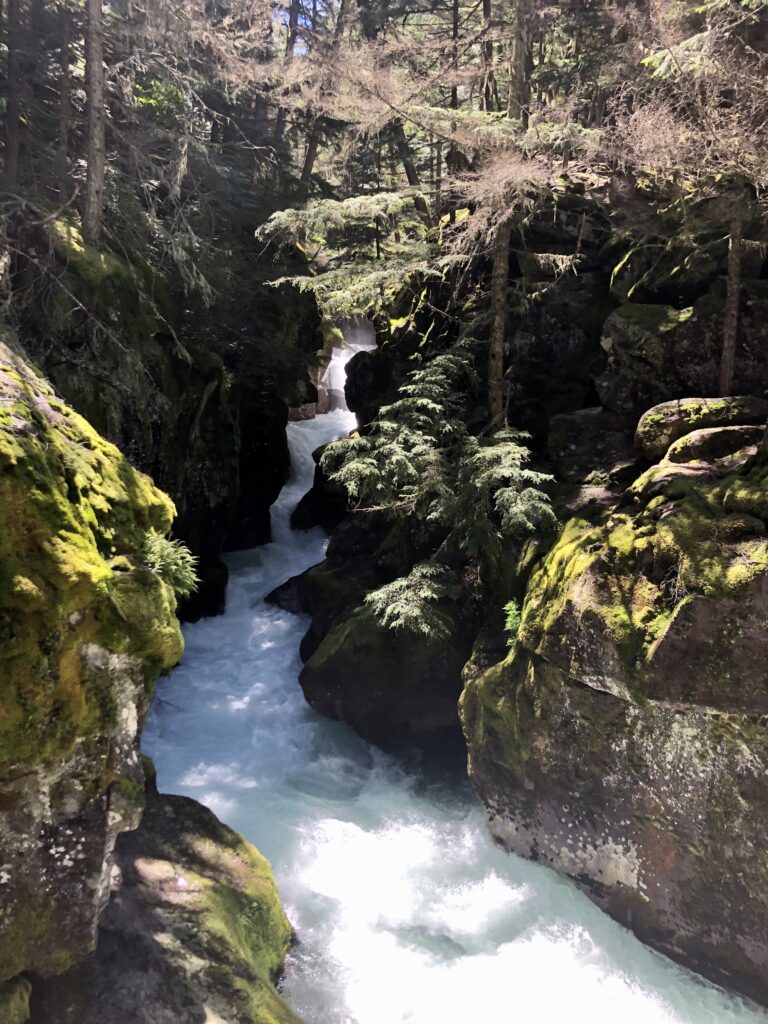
[(194, 931), (657, 353), (624, 742), (85, 632), (656, 809), (212, 436)]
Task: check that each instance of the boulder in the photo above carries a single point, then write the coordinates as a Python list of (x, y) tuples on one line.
[(14, 1001), (591, 447), (657, 353), (86, 629), (325, 504), (624, 740), (669, 421), (389, 686), (194, 930), (655, 809), (725, 448)]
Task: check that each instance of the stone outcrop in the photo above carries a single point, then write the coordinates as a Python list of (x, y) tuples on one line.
[(85, 630), (624, 741), (194, 931), (112, 340), (392, 687), (670, 421), (656, 353)]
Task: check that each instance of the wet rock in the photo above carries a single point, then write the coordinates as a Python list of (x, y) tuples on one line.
[(194, 931), (325, 504), (388, 686), (665, 423), (656, 810)]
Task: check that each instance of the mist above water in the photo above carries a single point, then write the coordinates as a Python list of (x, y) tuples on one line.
[(404, 908)]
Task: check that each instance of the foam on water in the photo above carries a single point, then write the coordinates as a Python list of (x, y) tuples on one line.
[(405, 910)]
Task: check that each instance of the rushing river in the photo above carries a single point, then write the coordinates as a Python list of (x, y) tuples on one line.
[(405, 910)]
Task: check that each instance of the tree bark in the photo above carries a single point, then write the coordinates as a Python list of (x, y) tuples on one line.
[(290, 46), (519, 96), (313, 145), (499, 293), (487, 58), (13, 110), (96, 99), (313, 142), (65, 98), (733, 294)]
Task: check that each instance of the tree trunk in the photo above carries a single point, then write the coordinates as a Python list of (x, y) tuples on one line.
[(313, 142), (313, 145), (439, 181), (733, 295), (409, 166), (519, 96), (13, 110), (290, 46), (499, 292), (96, 98), (487, 59), (65, 98), (451, 155)]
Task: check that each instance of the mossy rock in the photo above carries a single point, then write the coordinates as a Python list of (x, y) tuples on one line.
[(605, 606), (85, 630), (14, 1001), (73, 515), (195, 930), (658, 353), (660, 426), (389, 686), (656, 809)]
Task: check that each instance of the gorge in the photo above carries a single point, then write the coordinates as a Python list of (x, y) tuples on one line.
[(383, 511)]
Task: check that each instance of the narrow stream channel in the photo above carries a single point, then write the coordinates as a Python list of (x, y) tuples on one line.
[(405, 910)]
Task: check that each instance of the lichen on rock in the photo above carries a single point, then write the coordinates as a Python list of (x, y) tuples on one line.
[(663, 424)]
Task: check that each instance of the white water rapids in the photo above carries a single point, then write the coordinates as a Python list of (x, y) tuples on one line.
[(404, 908)]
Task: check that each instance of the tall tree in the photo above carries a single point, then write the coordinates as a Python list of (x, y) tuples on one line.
[(13, 108), (499, 293), (733, 294), (96, 100)]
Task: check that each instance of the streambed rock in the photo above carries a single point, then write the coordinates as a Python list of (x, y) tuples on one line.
[(625, 740), (85, 631), (194, 931)]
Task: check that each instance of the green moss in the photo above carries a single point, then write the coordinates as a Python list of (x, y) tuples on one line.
[(73, 514), (656, 319), (241, 933), (129, 296), (14, 1001), (629, 570)]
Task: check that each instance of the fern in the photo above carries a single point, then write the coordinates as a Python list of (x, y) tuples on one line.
[(172, 561), (512, 619), (412, 603), (420, 459)]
